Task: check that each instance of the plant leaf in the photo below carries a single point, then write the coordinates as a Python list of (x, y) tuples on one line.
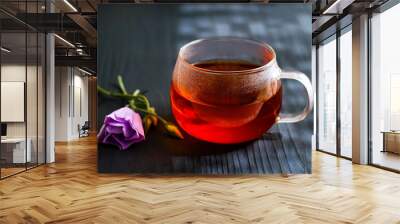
[(121, 84), (137, 92)]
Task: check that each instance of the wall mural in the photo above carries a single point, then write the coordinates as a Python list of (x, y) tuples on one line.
[(204, 89)]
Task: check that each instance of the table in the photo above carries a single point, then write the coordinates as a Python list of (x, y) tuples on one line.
[(391, 141), (16, 147)]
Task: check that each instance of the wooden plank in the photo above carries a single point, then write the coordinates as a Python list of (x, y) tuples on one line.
[(281, 157), (252, 161), (296, 165), (271, 154), (263, 158), (72, 191)]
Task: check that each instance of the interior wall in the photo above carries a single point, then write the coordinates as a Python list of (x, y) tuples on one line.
[(61, 103), (16, 72), (71, 102), (80, 109)]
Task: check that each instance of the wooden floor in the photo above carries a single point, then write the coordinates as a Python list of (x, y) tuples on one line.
[(10, 171), (71, 191)]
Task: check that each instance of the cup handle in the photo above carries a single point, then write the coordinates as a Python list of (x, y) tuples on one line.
[(303, 79)]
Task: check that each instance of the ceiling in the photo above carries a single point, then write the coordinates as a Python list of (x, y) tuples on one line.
[(76, 21)]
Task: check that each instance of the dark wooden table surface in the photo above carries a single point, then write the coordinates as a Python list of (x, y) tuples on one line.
[(141, 43)]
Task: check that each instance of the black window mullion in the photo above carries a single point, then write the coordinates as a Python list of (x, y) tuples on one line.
[(37, 90), (26, 87), (45, 95), (369, 79), (338, 76), (317, 96), (44, 78), (0, 97)]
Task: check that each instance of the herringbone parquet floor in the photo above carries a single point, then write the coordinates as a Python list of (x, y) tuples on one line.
[(71, 191)]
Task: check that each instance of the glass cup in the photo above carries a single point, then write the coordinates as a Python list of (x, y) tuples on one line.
[(228, 90)]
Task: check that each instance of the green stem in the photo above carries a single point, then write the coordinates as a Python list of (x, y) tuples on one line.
[(148, 112), (121, 85), (103, 91), (132, 104), (131, 99), (113, 94), (125, 92), (144, 99)]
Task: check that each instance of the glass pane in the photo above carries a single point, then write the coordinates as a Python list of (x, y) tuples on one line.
[(327, 97), (314, 84), (385, 84), (31, 89), (32, 98), (346, 94), (13, 86), (41, 98)]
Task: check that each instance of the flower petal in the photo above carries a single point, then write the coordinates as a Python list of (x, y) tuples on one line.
[(122, 128)]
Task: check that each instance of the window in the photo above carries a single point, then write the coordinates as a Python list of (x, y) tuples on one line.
[(346, 93), (385, 89), (329, 113), (327, 97)]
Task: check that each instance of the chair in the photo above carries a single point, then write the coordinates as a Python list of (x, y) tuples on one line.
[(84, 130)]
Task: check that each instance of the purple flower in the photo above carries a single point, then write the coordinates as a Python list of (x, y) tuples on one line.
[(122, 128)]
